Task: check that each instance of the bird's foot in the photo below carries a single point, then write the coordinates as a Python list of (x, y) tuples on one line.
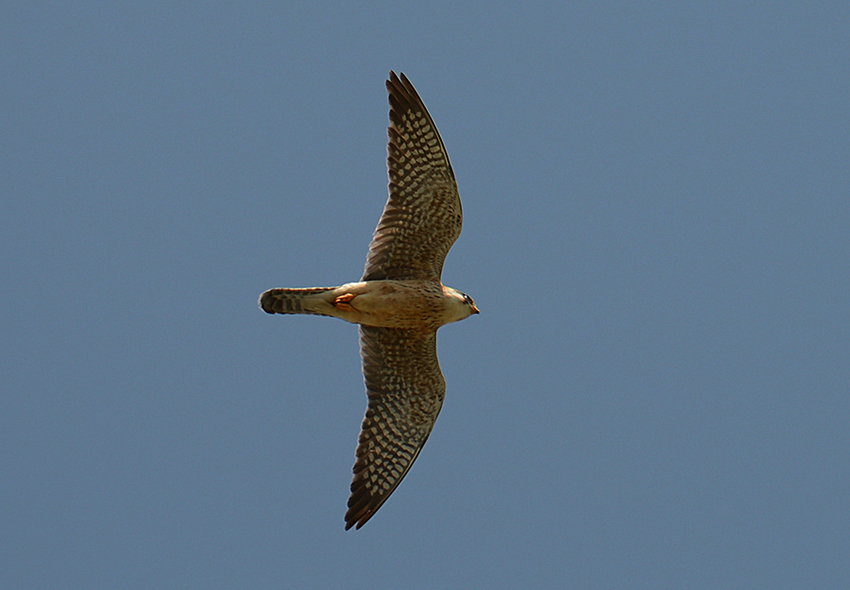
[(343, 302)]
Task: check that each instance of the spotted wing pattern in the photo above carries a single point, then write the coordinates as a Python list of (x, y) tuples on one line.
[(422, 217), (405, 388)]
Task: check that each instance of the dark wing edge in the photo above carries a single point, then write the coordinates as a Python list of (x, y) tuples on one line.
[(422, 217), (405, 390), (404, 98)]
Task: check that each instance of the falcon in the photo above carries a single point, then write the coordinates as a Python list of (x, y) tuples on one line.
[(399, 303)]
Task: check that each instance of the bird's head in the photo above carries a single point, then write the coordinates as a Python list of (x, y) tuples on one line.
[(461, 305)]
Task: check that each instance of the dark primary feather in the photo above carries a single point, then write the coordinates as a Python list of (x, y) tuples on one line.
[(422, 217)]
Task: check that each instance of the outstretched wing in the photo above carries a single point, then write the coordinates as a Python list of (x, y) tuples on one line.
[(405, 388), (422, 217)]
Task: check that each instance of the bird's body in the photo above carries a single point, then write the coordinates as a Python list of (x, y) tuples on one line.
[(399, 303), (418, 305)]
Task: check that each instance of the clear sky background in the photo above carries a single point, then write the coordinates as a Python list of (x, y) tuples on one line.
[(655, 395)]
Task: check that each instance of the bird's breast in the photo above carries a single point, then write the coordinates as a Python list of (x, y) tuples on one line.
[(393, 304)]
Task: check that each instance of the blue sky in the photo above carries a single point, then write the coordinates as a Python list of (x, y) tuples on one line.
[(655, 394)]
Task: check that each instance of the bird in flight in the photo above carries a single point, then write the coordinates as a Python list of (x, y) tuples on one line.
[(399, 303)]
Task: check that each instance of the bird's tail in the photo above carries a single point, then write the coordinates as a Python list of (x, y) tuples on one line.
[(312, 301)]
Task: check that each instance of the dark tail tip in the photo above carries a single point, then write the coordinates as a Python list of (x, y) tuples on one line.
[(266, 302)]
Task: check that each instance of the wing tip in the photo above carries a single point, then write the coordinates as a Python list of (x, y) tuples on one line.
[(403, 95), (361, 507), (357, 521)]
